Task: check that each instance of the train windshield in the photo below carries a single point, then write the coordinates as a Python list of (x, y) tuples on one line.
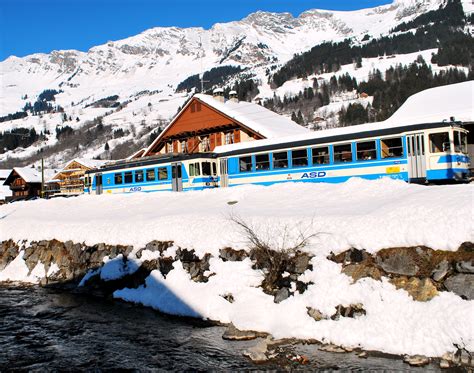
[(460, 142)]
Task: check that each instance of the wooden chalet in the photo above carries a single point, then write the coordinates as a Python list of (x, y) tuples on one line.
[(70, 179), (26, 182), (209, 121)]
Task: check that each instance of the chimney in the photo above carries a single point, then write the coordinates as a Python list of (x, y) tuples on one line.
[(233, 96), (218, 94)]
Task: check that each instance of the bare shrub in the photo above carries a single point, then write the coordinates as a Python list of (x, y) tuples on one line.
[(275, 249)]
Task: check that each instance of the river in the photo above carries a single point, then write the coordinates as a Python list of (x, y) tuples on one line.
[(51, 329)]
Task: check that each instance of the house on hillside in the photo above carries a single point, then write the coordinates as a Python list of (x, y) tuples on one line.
[(26, 182), (209, 121), (70, 179)]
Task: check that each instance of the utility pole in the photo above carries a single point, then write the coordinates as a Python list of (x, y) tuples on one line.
[(42, 177), (202, 69)]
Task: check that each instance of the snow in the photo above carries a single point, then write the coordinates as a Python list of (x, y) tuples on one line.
[(433, 105), (368, 215), (32, 175), (256, 117)]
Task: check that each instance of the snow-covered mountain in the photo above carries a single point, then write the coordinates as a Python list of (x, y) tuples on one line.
[(144, 70)]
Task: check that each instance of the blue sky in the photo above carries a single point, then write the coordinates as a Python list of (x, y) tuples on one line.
[(29, 26)]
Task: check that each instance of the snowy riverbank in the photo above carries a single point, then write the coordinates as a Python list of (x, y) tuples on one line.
[(366, 215)]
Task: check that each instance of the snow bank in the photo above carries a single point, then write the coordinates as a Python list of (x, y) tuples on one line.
[(368, 215)]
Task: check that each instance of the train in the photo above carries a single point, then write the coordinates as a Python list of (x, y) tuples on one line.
[(421, 153)]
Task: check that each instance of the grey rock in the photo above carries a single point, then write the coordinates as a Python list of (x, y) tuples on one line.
[(281, 295), (316, 314), (416, 360), (301, 263), (465, 267), (441, 270), (398, 263), (231, 255), (461, 284), (234, 334), (332, 348)]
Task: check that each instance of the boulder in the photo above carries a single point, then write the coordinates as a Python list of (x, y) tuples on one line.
[(231, 255), (398, 262), (465, 266), (441, 271), (234, 334), (281, 295), (352, 310), (258, 353), (316, 314), (461, 284), (421, 290), (361, 270), (416, 360), (332, 348)]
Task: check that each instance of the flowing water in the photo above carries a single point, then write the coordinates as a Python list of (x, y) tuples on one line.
[(46, 329)]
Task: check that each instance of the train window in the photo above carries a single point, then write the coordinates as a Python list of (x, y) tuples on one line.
[(162, 173), (214, 168), (86, 181), (128, 177), (366, 150), (206, 168), (262, 162), (460, 142), (150, 174), (118, 178), (391, 148), (299, 157), (342, 153), (439, 142), (320, 155), (280, 160), (245, 164), (139, 176), (194, 169)]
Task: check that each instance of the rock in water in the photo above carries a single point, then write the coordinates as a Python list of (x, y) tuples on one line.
[(234, 334), (258, 353), (416, 360)]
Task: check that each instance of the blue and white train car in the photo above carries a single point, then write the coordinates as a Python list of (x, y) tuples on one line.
[(171, 172), (435, 152)]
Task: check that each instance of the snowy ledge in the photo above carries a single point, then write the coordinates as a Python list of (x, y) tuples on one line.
[(185, 272)]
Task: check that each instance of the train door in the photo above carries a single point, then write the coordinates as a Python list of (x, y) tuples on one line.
[(224, 175), (416, 157), (176, 177), (98, 184)]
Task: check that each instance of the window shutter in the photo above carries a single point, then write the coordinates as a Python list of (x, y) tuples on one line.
[(213, 141), (236, 136), (219, 139)]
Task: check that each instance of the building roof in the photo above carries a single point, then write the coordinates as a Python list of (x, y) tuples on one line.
[(30, 174), (89, 163), (263, 121), (259, 119), (434, 105)]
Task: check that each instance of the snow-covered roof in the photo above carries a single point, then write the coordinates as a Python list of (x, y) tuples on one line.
[(32, 175), (437, 104), (264, 121), (433, 105), (90, 163), (253, 116)]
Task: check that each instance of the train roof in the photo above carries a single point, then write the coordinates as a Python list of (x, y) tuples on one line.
[(431, 107), (148, 161)]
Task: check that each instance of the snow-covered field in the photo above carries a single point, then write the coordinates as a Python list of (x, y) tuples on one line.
[(368, 215)]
